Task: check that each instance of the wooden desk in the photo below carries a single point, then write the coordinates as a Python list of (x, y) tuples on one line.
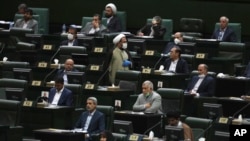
[(48, 117), (58, 135), (141, 122), (232, 86)]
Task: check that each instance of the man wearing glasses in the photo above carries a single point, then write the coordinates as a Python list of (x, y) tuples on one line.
[(94, 28)]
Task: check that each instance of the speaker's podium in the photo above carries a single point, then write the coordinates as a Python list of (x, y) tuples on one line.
[(51, 134)]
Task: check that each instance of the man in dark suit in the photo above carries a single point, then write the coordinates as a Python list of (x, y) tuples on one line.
[(113, 22), (72, 37), (68, 67), (178, 37), (92, 121), (224, 33), (156, 30), (202, 84), (94, 28), (59, 95), (175, 63)]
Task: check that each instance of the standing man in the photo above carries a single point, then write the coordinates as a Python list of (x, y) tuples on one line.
[(27, 21), (68, 67), (119, 58), (59, 95), (113, 22), (95, 27), (202, 84), (224, 33), (156, 30), (92, 120), (175, 63), (72, 37), (149, 101)]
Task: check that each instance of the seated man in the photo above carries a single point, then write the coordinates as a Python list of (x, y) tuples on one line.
[(178, 37), (113, 22), (203, 84), (175, 63), (27, 22), (68, 66), (59, 95), (92, 121), (224, 33), (72, 37), (173, 118), (149, 101), (95, 27), (156, 30)]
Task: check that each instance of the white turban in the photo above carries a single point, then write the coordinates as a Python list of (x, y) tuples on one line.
[(118, 38), (112, 6)]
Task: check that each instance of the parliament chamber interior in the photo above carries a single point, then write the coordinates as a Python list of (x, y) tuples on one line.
[(29, 62)]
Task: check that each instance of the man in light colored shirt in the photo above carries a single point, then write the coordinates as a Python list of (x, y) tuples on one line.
[(92, 121), (59, 95), (201, 84), (175, 63), (149, 101), (95, 27)]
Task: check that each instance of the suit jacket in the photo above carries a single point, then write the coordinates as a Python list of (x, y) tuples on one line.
[(206, 87), (168, 47), (114, 25), (66, 98), (181, 67), (154, 99), (32, 24), (97, 123), (89, 26), (65, 42), (159, 31), (229, 35)]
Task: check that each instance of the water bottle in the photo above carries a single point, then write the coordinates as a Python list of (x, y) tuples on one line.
[(64, 28)]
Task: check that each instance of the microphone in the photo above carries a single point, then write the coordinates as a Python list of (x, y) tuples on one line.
[(152, 127), (203, 132), (50, 60), (158, 61), (46, 77), (241, 109), (101, 77)]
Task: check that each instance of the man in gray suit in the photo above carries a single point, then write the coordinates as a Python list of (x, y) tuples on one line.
[(94, 28), (149, 101), (27, 22)]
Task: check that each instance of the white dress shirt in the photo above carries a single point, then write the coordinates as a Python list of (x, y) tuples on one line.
[(57, 97)]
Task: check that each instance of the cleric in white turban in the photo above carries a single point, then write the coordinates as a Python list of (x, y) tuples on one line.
[(120, 59), (112, 6), (114, 23)]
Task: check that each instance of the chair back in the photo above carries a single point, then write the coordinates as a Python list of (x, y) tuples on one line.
[(77, 91), (68, 51), (236, 27), (10, 112), (232, 50), (85, 20), (168, 24), (192, 27), (108, 111), (44, 19), (8, 66), (172, 99)]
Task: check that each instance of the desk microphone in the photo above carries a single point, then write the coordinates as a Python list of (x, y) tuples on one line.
[(50, 60), (158, 61), (241, 109), (46, 77), (152, 127), (101, 77), (203, 132)]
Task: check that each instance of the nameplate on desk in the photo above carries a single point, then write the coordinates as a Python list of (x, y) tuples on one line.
[(98, 50), (47, 47), (50, 84), (94, 67), (54, 66), (149, 52), (147, 70), (36, 83), (135, 137), (201, 55), (42, 65), (27, 103), (89, 86), (223, 120)]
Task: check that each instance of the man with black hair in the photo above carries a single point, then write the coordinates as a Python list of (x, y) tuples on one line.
[(94, 28), (21, 8), (27, 21), (72, 37), (59, 95), (173, 119), (155, 29), (113, 22), (175, 63)]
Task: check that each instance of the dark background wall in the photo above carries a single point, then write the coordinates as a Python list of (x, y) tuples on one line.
[(71, 11)]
